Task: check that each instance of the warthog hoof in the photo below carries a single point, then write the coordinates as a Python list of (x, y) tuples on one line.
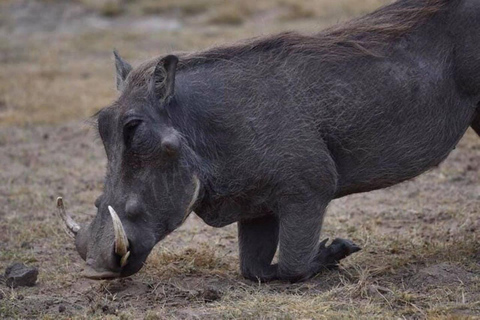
[(329, 257)]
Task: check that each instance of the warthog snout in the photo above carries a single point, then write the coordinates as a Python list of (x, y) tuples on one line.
[(109, 264)]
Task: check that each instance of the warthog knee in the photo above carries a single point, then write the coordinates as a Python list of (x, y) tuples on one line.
[(265, 274)]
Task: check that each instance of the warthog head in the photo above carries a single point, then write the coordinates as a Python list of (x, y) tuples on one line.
[(149, 190)]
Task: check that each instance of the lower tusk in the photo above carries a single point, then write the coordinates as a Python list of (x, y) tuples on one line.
[(71, 225), (121, 240), (124, 259)]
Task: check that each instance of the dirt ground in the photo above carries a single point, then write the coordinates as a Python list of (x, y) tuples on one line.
[(420, 239)]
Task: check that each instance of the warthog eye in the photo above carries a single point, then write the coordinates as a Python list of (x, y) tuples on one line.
[(140, 140), (129, 130)]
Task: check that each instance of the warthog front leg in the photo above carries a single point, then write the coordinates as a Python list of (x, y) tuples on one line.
[(258, 239)]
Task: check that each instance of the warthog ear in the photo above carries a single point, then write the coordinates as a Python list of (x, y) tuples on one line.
[(123, 69), (162, 84)]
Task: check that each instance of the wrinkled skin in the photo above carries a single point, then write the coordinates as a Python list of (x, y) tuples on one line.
[(274, 131)]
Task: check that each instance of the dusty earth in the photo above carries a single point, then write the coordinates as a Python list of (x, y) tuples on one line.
[(420, 239)]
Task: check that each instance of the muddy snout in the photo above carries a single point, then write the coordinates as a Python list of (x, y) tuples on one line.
[(106, 256)]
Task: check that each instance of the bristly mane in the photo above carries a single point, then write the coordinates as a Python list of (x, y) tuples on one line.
[(361, 36)]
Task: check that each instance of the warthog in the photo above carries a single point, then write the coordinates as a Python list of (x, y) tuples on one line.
[(267, 132)]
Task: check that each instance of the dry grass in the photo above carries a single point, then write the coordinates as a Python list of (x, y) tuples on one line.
[(298, 9), (43, 94), (232, 14), (178, 7), (39, 76), (108, 8), (202, 260), (420, 257)]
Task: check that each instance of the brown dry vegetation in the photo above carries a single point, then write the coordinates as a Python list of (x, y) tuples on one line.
[(420, 240)]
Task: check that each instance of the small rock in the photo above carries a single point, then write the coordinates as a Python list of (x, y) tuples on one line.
[(26, 245), (48, 304), (211, 295), (108, 310), (19, 275), (61, 308)]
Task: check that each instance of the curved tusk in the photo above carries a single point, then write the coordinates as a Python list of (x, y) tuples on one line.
[(124, 259), (121, 241), (71, 225)]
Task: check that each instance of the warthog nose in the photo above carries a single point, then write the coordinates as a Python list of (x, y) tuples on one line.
[(92, 272)]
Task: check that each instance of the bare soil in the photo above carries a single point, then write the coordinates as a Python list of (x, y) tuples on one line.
[(420, 239)]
